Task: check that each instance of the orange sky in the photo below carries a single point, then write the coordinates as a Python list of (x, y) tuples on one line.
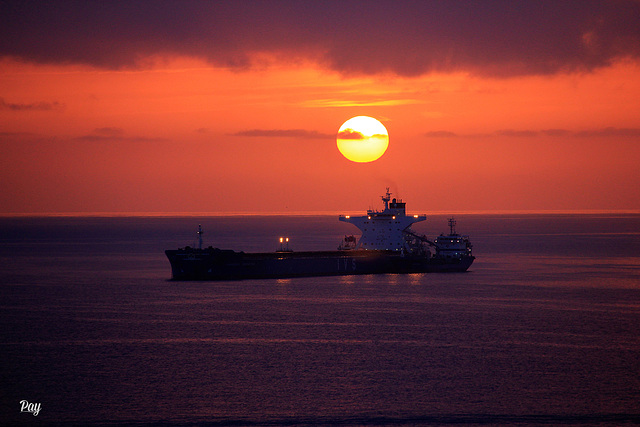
[(182, 134)]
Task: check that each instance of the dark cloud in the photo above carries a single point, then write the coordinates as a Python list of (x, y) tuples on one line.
[(286, 133), (490, 37), (36, 106)]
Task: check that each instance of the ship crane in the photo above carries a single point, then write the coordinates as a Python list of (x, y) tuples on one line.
[(420, 237)]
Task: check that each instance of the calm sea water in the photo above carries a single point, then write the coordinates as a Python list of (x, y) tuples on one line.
[(543, 329)]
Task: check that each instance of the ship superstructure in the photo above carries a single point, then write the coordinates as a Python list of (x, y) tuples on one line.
[(453, 245), (387, 229), (387, 245)]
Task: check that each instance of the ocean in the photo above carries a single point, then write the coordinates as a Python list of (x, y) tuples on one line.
[(544, 329)]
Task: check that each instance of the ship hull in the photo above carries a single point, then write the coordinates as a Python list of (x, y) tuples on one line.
[(215, 264)]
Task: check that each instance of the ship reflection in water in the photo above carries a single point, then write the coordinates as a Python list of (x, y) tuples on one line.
[(387, 244)]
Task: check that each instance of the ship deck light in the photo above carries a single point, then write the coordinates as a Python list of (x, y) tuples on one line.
[(284, 245)]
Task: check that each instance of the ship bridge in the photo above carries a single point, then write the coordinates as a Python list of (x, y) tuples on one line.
[(384, 230)]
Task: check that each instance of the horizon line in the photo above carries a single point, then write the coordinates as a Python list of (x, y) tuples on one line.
[(105, 214)]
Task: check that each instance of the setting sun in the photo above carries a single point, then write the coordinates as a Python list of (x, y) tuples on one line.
[(362, 139)]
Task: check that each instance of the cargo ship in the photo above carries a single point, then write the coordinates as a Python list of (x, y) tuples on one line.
[(387, 245)]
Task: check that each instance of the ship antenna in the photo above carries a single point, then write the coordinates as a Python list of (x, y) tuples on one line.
[(200, 233), (452, 226)]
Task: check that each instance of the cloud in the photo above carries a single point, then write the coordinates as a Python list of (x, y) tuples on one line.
[(283, 133), (527, 133), (36, 106), (441, 134), (112, 134), (611, 132), (493, 37), (604, 132), (15, 135), (109, 132), (324, 103), (556, 132), (518, 133), (350, 134)]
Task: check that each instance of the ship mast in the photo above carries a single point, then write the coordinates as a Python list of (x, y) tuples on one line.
[(200, 233), (386, 199), (452, 226)]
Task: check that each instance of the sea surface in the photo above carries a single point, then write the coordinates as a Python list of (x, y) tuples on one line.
[(543, 330)]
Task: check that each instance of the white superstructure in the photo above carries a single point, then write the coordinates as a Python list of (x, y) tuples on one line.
[(383, 230)]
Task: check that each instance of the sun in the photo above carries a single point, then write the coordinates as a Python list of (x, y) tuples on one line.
[(362, 139)]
